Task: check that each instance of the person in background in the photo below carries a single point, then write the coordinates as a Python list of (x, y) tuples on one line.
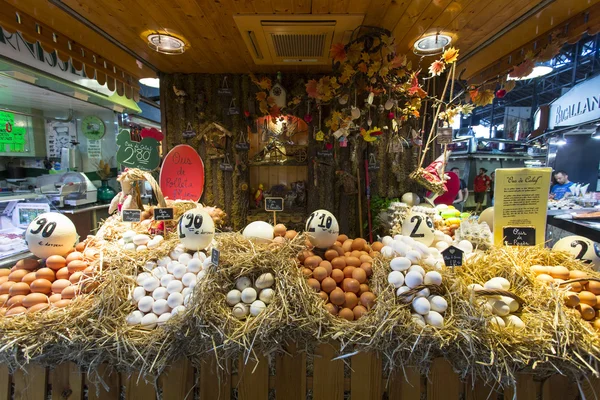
[(463, 194), (561, 188), (481, 186), (492, 181)]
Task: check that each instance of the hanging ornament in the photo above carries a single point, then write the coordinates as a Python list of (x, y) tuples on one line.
[(278, 93), (328, 146), (308, 117), (343, 141), (343, 100), (369, 121), (370, 98), (319, 136), (355, 112), (389, 104), (391, 115)]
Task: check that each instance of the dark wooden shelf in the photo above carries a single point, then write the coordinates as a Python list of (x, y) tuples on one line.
[(273, 164)]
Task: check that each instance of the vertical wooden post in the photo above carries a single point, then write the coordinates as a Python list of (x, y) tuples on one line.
[(525, 389), (31, 383), (177, 381), (215, 383), (590, 387), (406, 384), (479, 391), (366, 378), (558, 387), (254, 379), (137, 388), (5, 383), (290, 371), (67, 382), (112, 381), (443, 383), (328, 376)]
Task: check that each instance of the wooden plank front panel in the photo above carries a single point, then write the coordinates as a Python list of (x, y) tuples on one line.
[(108, 389), (5, 383), (443, 383), (137, 388), (406, 384), (177, 381), (31, 383), (526, 389), (328, 376), (67, 382), (290, 375), (480, 391), (366, 377), (558, 387), (254, 379), (215, 379)]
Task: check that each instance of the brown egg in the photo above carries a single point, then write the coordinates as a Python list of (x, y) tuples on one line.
[(338, 263), (88, 286), (45, 273), (76, 255), (348, 272), (353, 261), (15, 301), (559, 272), (4, 272), (360, 275), (342, 238), (351, 300), (37, 307), (3, 311), (18, 275), (355, 253), (330, 254), (5, 287), (347, 314), (76, 265), (587, 312), (337, 275), (15, 311), (28, 264), (596, 324), (577, 274), (337, 297), (328, 285), (588, 298), (59, 285), (367, 268), (571, 299), (291, 234), (5, 279), (62, 273), (320, 273), (574, 287), (545, 278), (327, 265), (312, 262), (358, 244), (593, 287), (347, 245), (55, 297), (539, 269), (339, 250), (56, 262), (307, 272), (279, 230), (337, 243), (308, 244), (303, 255), (367, 299), (365, 259), (350, 285), (3, 299), (80, 247), (315, 284), (30, 277), (34, 298), (363, 288), (41, 286), (19, 288), (76, 277), (91, 254), (359, 311), (324, 296), (61, 304), (70, 292), (331, 308), (376, 246)]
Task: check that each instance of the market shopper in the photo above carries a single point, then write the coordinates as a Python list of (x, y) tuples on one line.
[(560, 189), (481, 186), (463, 194), (492, 181)]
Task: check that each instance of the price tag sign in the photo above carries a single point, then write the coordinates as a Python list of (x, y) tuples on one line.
[(453, 257), (143, 154), (131, 215), (163, 214), (182, 174), (214, 257), (274, 204), (519, 235)]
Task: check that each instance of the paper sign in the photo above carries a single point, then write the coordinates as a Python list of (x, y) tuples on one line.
[(59, 135), (521, 202), (273, 203), (12, 137), (519, 236), (131, 215), (453, 256), (214, 257), (163, 213), (94, 149), (133, 154), (182, 174)]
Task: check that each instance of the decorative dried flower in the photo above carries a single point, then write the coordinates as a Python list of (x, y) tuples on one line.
[(437, 67), (450, 55)]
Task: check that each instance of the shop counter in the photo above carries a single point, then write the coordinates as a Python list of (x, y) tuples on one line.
[(86, 217), (563, 219)]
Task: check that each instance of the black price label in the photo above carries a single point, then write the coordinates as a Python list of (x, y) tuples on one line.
[(214, 257), (273, 203), (453, 256), (323, 154), (519, 236), (131, 215), (163, 214)]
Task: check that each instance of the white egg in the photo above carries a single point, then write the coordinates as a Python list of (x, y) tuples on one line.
[(179, 271), (163, 319), (175, 253), (387, 240), (188, 279), (150, 265), (201, 275), (160, 293), (158, 238), (257, 307), (233, 297), (512, 303), (264, 281), (187, 299), (145, 304), (175, 300), (128, 236), (433, 278), (249, 295), (413, 279), (512, 321), (488, 307), (474, 287), (149, 321), (400, 248), (497, 321), (152, 244), (194, 265), (151, 283), (140, 239), (129, 247), (408, 240), (185, 258), (121, 242), (266, 295), (423, 293), (175, 286), (434, 319), (421, 248), (421, 305), (402, 290), (135, 318), (418, 319), (159, 272), (414, 256), (207, 264), (448, 239), (164, 261), (142, 277), (492, 284), (138, 293), (160, 307), (398, 238), (199, 255), (165, 279), (400, 264), (243, 283), (417, 268), (241, 310), (438, 236), (433, 252), (141, 248), (387, 252), (192, 284), (430, 262), (441, 246), (500, 308), (438, 303), (172, 265), (504, 283), (465, 246), (396, 278), (177, 310)]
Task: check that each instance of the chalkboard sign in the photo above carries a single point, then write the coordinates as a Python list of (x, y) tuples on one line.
[(214, 257), (274, 204), (323, 154), (453, 256), (131, 215), (132, 154), (519, 236), (163, 214)]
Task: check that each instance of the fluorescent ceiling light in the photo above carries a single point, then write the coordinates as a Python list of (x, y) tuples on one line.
[(433, 44), (166, 44), (539, 70), (150, 82)]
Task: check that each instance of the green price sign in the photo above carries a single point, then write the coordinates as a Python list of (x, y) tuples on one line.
[(133, 154), (12, 137)]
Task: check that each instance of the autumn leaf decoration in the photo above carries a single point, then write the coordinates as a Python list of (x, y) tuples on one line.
[(449, 56), (523, 69), (338, 52), (481, 97)]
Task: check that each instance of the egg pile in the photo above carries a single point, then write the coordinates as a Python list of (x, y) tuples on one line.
[(34, 285), (133, 241), (263, 232), (251, 299), (341, 276), (164, 289), (502, 308), (583, 296), (416, 252)]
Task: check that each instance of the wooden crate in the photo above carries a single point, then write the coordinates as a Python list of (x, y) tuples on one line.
[(293, 376)]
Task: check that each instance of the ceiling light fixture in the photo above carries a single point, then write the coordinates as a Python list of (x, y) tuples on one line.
[(166, 44), (538, 70), (432, 44), (150, 82)]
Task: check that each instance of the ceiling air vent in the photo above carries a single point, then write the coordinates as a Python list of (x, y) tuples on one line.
[(296, 39)]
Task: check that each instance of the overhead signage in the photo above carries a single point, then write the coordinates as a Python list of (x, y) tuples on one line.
[(579, 105), (182, 174)]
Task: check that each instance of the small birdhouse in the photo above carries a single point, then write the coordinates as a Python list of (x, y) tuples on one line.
[(279, 93)]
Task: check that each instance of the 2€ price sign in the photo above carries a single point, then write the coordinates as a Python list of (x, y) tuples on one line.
[(132, 154)]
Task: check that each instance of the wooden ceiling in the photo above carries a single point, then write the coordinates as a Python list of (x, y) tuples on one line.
[(216, 45)]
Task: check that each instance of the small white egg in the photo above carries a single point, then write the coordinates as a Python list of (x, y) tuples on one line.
[(176, 253), (413, 279), (129, 247), (387, 240), (512, 303), (128, 236), (175, 300), (423, 293), (257, 307), (387, 252), (264, 281), (151, 283), (512, 321), (207, 264), (266, 295), (164, 261), (165, 279), (150, 265), (249, 295), (504, 283), (408, 240), (448, 239), (142, 277), (243, 283), (400, 264), (141, 248), (414, 256), (149, 321), (398, 238), (186, 291), (438, 236), (441, 246), (185, 258), (158, 238), (430, 261), (140, 239), (474, 287), (233, 297), (163, 319), (200, 275), (241, 310), (177, 310), (396, 278), (192, 284), (488, 307), (172, 265), (434, 252), (138, 293), (492, 285), (160, 307), (194, 266), (417, 268), (145, 304), (465, 246), (400, 248), (497, 321), (418, 319), (421, 248), (121, 242), (159, 272), (421, 305), (500, 308), (188, 279), (438, 303), (160, 293), (175, 286), (402, 290), (433, 278), (434, 319), (152, 244), (179, 271), (187, 299), (135, 318)]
